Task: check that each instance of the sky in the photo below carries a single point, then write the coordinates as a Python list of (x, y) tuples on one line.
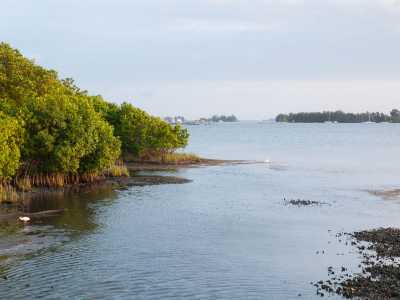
[(197, 58)]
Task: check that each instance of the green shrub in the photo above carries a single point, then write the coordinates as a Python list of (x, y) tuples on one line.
[(54, 133), (63, 131), (142, 134), (9, 146)]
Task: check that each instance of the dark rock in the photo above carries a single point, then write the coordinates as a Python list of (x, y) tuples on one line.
[(380, 270), (301, 202)]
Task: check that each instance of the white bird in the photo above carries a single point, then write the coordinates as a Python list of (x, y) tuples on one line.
[(24, 219)]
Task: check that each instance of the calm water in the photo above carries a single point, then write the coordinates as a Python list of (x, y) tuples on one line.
[(227, 234)]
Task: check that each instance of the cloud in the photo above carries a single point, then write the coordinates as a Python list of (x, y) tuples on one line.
[(391, 4), (150, 43), (219, 26), (258, 99)]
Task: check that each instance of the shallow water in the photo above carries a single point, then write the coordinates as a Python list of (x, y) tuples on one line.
[(228, 234)]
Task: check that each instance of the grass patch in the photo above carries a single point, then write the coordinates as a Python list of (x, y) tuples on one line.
[(179, 158), (118, 170), (168, 158), (53, 180)]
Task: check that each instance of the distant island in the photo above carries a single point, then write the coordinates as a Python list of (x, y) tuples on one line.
[(213, 119), (339, 117)]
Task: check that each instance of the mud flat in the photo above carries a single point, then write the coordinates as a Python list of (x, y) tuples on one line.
[(11, 209), (143, 180), (202, 162), (392, 194), (135, 179), (379, 275)]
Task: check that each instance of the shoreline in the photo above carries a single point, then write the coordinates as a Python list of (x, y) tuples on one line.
[(115, 183), (378, 269), (137, 166), (11, 210), (386, 194)]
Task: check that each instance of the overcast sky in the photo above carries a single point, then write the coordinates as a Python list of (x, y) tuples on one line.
[(253, 58)]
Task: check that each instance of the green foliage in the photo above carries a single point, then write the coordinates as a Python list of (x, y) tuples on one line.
[(52, 131), (395, 116), (106, 149), (21, 79), (141, 134), (65, 134), (131, 128), (63, 131), (282, 118), (162, 137), (9, 150)]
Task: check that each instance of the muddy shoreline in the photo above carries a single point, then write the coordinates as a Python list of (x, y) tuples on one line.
[(379, 270), (390, 194), (29, 204), (134, 166), (135, 179), (112, 182)]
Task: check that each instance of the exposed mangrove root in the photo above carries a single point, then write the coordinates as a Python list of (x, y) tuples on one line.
[(10, 191)]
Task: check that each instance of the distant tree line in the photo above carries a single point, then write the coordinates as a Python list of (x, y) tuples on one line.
[(223, 118), (214, 118), (50, 127), (339, 117)]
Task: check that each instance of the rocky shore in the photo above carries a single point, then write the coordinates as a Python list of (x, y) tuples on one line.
[(302, 202), (379, 275)]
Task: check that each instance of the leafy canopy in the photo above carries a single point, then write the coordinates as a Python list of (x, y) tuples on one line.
[(142, 135), (10, 131), (48, 125)]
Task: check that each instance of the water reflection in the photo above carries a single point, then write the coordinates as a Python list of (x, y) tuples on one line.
[(56, 218), (228, 234)]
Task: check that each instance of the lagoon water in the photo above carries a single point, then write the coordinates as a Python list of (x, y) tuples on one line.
[(226, 235)]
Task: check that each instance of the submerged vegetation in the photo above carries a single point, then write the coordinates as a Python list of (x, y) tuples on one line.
[(339, 117), (52, 133)]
